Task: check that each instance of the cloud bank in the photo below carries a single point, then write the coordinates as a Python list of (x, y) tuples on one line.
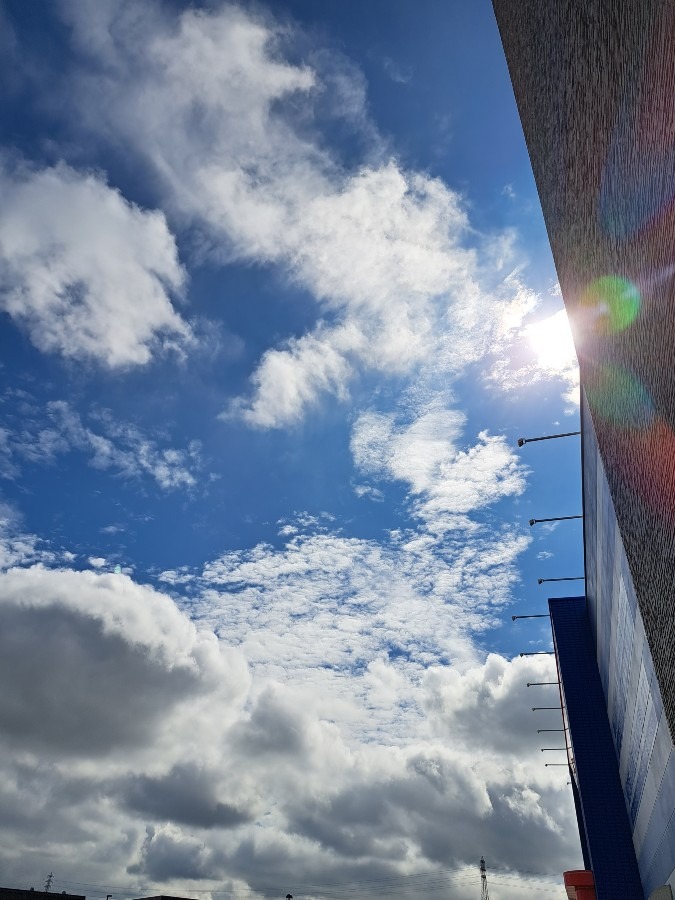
[(238, 762)]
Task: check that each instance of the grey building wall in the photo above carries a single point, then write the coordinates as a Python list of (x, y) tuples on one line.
[(644, 749), (594, 82)]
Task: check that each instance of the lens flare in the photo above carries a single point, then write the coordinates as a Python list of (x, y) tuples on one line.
[(619, 397), (611, 304)]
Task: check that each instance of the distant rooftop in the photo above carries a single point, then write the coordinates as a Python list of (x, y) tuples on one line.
[(31, 894), (160, 897)]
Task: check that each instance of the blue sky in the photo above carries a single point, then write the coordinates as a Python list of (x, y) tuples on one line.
[(277, 303)]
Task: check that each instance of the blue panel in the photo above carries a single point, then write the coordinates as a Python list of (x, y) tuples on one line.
[(589, 475), (604, 816), (632, 710), (606, 551)]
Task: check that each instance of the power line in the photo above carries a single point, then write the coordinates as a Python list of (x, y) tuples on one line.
[(560, 891)]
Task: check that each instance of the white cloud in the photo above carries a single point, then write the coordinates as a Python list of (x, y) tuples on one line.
[(20, 548), (551, 339), (317, 709), (86, 273), (367, 490), (383, 250), (8, 467), (398, 74), (119, 447), (342, 603), (446, 481), (288, 381), (341, 718), (527, 353)]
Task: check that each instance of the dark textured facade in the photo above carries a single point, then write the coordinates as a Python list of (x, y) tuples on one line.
[(594, 81)]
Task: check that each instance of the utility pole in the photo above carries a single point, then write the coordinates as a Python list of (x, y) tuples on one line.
[(483, 881)]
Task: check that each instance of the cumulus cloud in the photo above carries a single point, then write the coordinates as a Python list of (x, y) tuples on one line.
[(338, 719), (288, 381), (169, 853), (86, 273), (18, 547), (187, 795), (345, 618), (109, 633)]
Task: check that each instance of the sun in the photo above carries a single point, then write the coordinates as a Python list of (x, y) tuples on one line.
[(551, 340)]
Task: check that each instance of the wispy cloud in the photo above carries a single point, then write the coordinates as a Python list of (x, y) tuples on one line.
[(398, 73), (447, 478), (386, 252), (530, 351), (341, 604), (118, 447)]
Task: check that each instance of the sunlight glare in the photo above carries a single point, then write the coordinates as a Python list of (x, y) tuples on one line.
[(551, 339)]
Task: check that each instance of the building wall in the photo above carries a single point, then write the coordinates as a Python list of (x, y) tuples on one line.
[(594, 81), (637, 719)]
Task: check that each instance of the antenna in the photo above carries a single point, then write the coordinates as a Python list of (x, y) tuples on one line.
[(48, 882), (483, 881)]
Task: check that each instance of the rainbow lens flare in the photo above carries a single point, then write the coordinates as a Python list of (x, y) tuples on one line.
[(611, 303)]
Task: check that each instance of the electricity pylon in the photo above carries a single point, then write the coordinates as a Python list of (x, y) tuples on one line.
[(483, 881)]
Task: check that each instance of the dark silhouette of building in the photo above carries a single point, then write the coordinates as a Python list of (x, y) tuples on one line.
[(31, 894), (163, 897)]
